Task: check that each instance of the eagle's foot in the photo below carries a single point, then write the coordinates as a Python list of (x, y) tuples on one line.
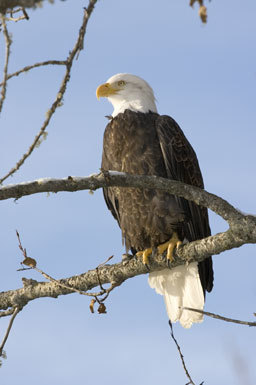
[(144, 254), (169, 246)]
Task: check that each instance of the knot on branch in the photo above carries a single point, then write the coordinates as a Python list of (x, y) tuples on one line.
[(29, 282)]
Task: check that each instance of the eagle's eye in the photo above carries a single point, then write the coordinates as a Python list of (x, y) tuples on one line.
[(121, 83)]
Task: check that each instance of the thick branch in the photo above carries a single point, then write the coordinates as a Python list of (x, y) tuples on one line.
[(112, 178), (242, 227), (117, 273), (113, 274), (242, 230)]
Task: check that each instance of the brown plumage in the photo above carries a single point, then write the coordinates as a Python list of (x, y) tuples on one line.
[(150, 144), (139, 141)]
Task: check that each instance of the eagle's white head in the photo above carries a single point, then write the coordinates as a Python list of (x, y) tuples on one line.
[(126, 91)]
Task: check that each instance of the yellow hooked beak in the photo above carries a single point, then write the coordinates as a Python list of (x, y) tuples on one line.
[(105, 90)]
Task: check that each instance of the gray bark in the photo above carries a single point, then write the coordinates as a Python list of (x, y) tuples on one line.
[(242, 230)]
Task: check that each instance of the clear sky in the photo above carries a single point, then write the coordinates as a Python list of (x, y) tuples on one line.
[(203, 76)]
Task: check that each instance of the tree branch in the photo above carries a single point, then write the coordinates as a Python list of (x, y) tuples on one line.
[(8, 43), (242, 227), (36, 65), (121, 179), (191, 382), (59, 97), (114, 274), (242, 230), (221, 317), (15, 312)]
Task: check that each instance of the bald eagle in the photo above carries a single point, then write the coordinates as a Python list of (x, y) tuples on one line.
[(138, 140)]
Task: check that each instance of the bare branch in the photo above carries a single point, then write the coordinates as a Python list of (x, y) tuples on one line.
[(28, 261), (16, 311), (242, 230), (22, 17), (181, 356), (6, 313), (114, 274), (220, 317), (13, 11), (36, 65), (8, 43), (59, 97), (121, 179), (242, 227)]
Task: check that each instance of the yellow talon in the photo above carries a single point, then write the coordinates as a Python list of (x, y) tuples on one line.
[(144, 254), (170, 246)]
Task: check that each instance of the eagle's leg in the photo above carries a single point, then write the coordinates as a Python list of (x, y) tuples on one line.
[(170, 246), (144, 254)]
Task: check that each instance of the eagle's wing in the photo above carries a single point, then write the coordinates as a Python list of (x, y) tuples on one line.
[(111, 201), (106, 164), (181, 164)]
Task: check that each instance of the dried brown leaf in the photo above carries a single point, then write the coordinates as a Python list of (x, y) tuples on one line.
[(102, 309), (203, 13), (31, 262), (91, 307)]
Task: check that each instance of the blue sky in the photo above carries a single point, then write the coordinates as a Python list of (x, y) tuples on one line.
[(203, 76)]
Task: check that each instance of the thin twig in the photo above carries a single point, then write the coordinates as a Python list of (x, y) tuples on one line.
[(181, 356), (92, 294), (12, 11), (59, 97), (6, 313), (107, 291), (107, 260), (220, 317), (8, 43), (24, 15), (36, 65), (47, 276), (16, 311), (15, 18), (101, 309)]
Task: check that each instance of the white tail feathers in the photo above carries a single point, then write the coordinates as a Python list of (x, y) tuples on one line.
[(181, 287)]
